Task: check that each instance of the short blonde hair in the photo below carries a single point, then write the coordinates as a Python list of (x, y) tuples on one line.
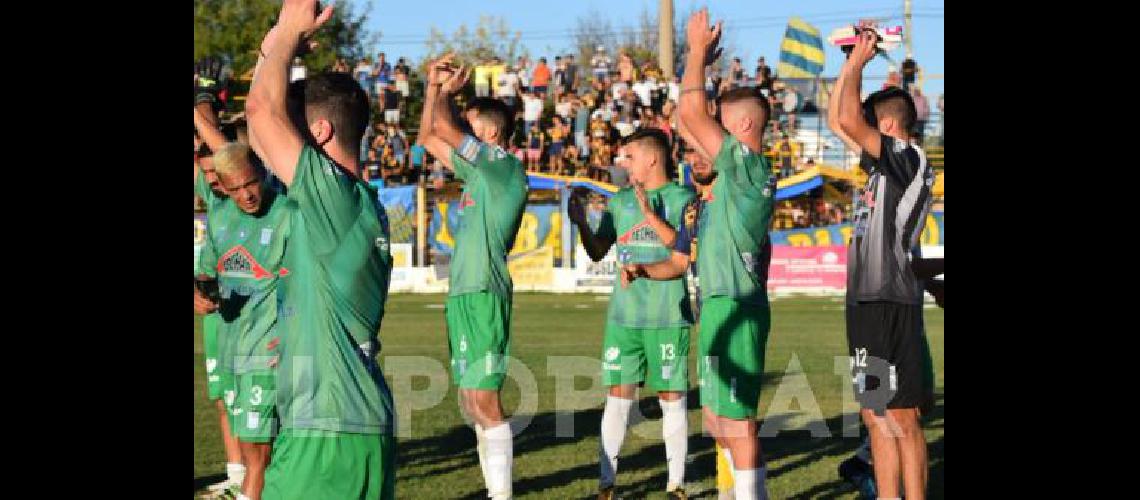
[(233, 158)]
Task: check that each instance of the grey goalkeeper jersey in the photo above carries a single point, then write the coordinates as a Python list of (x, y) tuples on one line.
[(888, 220)]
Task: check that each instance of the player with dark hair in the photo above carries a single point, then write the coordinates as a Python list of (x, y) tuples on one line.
[(336, 439), (884, 295), (732, 233), (647, 327), (478, 309)]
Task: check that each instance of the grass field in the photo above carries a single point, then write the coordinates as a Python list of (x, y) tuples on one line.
[(436, 454)]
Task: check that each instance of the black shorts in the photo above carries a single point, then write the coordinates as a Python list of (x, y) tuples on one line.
[(886, 344)]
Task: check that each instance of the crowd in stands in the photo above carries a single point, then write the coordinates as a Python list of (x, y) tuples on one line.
[(571, 116)]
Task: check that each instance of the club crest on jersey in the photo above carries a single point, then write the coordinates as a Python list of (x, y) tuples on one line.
[(239, 263), (641, 233), (467, 201)]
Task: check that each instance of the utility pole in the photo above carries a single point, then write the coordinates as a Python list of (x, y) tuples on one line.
[(665, 38), (908, 35)]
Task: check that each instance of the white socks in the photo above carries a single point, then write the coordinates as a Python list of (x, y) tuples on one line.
[(499, 454), (235, 473), (481, 449), (675, 432), (750, 483), (615, 418)]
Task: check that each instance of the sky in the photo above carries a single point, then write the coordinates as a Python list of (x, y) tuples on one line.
[(756, 27)]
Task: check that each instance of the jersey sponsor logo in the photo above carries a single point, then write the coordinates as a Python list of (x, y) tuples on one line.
[(641, 234), (211, 363), (382, 243), (239, 263), (266, 235), (612, 353)]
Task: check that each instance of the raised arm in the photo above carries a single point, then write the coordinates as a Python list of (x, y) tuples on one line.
[(277, 140), (438, 132), (706, 133), (206, 123), (851, 120)]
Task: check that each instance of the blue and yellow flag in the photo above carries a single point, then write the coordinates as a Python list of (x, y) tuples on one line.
[(801, 52)]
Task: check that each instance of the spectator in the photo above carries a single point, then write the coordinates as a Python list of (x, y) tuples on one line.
[(402, 72), (572, 74), (581, 126), (674, 90), (496, 71), (363, 73), (564, 108), (341, 66), (599, 129), (559, 82), (784, 156), (482, 77), (532, 110), (571, 163), (541, 78), (557, 134), (626, 70), (508, 87), (390, 169), (736, 73), (922, 109), (942, 118), (535, 142), (618, 169), (371, 167), (791, 103), (399, 145), (601, 63), (893, 79), (523, 69), (763, 75), (391, 104), (381, 73), (416, 161)]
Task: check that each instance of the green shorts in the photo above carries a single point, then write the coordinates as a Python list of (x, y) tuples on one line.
[(731, 348), (210, 324), (255, 412), (478, 337), (309, 464), (227, 385), (628, 353)]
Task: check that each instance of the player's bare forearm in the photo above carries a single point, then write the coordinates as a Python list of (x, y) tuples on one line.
[(670, 269), (706, 134), (444, 124), (266, 111), (427, 137), (205, 122), (851, 113)]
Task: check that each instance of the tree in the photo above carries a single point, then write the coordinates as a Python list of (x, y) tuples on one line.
[(491, 37), (234, 29)]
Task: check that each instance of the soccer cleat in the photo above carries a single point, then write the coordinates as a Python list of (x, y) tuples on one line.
[(678, 493), (860, 474), (218, 486)]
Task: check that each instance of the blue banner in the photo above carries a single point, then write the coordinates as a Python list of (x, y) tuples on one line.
[(541, 226), (400, 204), (933, 234)]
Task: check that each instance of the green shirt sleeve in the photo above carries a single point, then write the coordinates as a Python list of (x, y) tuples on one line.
[(208, 258), (326, 198)]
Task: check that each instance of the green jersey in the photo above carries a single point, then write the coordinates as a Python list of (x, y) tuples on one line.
[(646, 303), (246, 252), (733, 225), (490, 210), (331, 300)]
